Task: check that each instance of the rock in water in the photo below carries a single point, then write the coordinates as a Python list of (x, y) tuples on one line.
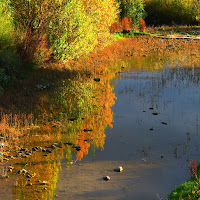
[(106, 178), (97, 79), (155, 113), (118, 169)]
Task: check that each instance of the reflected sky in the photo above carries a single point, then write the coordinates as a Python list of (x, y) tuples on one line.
[(155, 132)]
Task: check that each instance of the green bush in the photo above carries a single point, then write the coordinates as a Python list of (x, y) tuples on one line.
[(7, 25), (133, 9), (70, 33), (81, 26), (189, 190), (72, 28), (171, 11)]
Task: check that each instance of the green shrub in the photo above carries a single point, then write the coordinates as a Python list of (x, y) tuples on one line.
[(73, 27), (189, 189), (6, 25), (171, 11), (70, 33), (81, 26), (133, 9)]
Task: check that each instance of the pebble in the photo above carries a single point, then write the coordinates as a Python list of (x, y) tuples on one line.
[(118, 169), (106, 178), (44, 183)]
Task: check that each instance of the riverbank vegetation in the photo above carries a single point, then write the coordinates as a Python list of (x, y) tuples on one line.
[(45, 42), (36, 32), (190, 189)]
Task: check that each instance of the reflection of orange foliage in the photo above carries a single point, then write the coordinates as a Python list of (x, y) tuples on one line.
[(83, 144), (98, 119), (142, 24), (45, 169)]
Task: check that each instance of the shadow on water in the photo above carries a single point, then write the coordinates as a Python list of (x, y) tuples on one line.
[(48, 127)]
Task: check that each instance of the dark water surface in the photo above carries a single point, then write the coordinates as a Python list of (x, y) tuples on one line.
[(145, 119)]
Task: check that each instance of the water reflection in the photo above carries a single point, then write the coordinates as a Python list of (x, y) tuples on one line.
[(158, 113), (68, 122), (156, 124)]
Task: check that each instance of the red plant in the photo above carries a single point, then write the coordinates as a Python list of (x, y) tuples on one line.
[(142, 24), (193, 169), (116, 27), (126, 24)]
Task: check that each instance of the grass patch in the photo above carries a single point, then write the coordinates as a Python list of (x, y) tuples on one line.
[(190, 189), (129, 34)]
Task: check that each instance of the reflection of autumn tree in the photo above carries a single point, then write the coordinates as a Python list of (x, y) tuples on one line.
[(97, 119), (67, 115), (46, 171), (83, 106)]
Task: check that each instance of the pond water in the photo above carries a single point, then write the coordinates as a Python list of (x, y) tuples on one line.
[(145, 119), (155, 133)]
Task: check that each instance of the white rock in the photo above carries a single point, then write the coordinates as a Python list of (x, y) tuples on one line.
[(118, 169)]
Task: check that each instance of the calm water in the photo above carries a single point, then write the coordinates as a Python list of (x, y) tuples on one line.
[(156, 126), (154, 155)]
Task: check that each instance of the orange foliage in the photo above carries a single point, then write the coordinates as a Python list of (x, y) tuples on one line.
[(142, 24), (116, 27), (126, 24)]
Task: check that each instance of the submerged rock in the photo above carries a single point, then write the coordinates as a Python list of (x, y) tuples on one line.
[(68, 143), (73, 119), (106, 178), (86, 130), (44, 183), (78, 148), (97, 79), (155, 113), (118, 169), (29, 184)]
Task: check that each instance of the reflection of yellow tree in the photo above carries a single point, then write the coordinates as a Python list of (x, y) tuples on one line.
[(89, 104)]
